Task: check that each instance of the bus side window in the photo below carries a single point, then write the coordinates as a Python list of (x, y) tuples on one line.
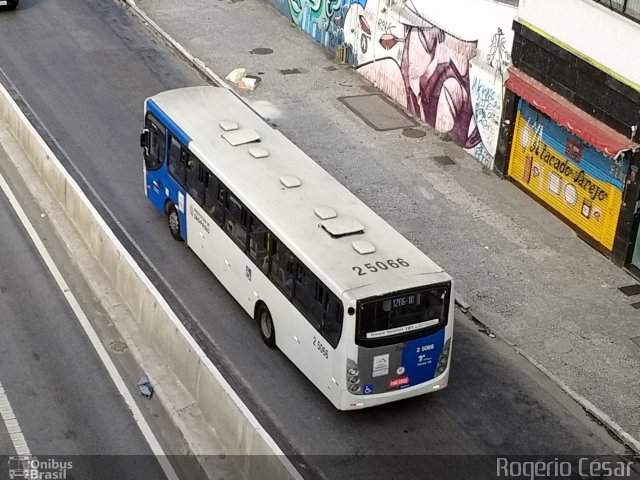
[(332, 326), (157, 134), (281, 267), (236, 221), (177, 161), (214, 198), (305, 296), (196, 174), (258, 243)]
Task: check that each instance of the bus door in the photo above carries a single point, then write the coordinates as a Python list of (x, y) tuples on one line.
[(290, 328), (316, 303), (153, 140), (175, 183)]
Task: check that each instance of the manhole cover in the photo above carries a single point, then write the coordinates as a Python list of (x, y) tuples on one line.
[(444, 160), (117, 346), (378, 112), (289, 71), (630, 289), (261, 51), (413, 133)]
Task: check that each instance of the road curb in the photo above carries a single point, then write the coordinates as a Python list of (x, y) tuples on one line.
[(198, 63), (602, 417), (462, 304)]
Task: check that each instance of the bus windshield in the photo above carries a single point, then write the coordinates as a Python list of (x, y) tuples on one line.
[(402, 316)]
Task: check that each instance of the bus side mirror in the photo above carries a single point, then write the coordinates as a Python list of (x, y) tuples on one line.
[(144, 140)]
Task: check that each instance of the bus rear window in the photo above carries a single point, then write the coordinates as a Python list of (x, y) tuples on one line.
[(402, 316)]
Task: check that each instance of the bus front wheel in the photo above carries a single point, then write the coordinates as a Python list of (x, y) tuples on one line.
[(174, 221), (267, 330)]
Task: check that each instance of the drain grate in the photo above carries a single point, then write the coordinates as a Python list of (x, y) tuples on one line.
[(261, 51), (289, 71), (330, 68), (630, 289), (117, 346), (444, 160)]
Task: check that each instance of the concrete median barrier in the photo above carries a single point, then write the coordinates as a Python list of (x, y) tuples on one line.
[(235, 426)]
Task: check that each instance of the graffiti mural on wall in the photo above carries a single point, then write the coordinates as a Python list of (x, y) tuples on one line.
[(486, 102), (423, 67), (323, 20)]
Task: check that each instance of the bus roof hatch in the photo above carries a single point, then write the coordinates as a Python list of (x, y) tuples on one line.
[(342, 226), (241, 137)]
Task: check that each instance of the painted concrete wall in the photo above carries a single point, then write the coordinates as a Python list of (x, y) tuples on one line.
[(596, 32), (443, 61)]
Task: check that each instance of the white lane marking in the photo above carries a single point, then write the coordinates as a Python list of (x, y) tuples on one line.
[(11, 422), (154, 445)]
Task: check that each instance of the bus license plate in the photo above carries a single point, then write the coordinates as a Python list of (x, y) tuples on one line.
[(398, 382)]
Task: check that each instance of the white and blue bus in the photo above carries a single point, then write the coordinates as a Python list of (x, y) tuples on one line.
[(362, 312)]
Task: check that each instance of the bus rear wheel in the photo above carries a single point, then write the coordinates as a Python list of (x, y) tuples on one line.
[(265, 322), (174, 221)]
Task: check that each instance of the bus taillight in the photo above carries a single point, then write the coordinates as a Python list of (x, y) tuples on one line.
[(353, 376), (443, 359)]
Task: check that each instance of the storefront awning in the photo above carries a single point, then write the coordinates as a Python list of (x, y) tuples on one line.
[(602, 137)]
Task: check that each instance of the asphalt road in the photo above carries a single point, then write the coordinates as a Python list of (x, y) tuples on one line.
[(66, 404), (85, 68)]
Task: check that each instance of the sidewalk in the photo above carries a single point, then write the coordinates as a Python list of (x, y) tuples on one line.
[(525, 273)]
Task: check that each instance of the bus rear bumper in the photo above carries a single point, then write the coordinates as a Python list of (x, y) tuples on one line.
[(357, 402)]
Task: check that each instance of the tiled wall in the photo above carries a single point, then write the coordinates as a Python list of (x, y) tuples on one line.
[(586, 86)]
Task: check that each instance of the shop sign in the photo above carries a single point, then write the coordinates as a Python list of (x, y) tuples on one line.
[(571, 177)]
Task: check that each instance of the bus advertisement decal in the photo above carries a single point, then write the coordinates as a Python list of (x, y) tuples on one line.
[(420, 357)]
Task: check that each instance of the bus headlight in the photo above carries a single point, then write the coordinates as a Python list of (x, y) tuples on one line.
[(353, 380), (354, 388), (353, 371)]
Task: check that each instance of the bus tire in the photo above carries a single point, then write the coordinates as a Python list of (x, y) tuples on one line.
[(173, 220), (265, 323)]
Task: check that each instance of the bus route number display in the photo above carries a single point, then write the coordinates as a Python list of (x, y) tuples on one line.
[(380, 266), (401, 302)]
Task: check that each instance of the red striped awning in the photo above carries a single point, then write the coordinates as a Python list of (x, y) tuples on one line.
[(602, 137)]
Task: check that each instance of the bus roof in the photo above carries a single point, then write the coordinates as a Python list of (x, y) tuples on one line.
[(327, 227)]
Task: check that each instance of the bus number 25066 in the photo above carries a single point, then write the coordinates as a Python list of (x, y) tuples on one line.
[(380, 265)]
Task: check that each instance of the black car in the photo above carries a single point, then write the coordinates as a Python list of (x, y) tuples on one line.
[(8, 4)]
